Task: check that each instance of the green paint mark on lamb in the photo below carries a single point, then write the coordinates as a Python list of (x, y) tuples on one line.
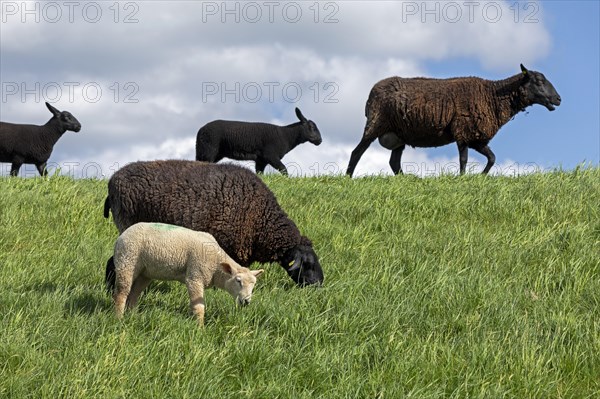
[(164, 226)]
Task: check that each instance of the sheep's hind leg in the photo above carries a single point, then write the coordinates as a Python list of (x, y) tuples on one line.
[(14, 168), (123, 282), (207, 153), (463, 156), (485, 150), (357, 153), (120, 296)]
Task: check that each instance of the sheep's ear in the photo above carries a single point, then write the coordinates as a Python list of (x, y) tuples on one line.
[(227, 268), (54, 111), (257, 273), (296, 263), (299, 115), (524, 70)]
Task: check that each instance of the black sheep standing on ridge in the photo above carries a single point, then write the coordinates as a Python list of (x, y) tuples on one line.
[(228, 201), (33, 144), (253, 141), (424, 112)]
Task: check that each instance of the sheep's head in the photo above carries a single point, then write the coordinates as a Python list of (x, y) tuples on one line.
[(241, 282), (311, 132), (538, 90), (302, 265), (65, 118)]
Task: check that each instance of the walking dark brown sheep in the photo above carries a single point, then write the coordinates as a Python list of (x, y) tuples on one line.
[(423, 112)]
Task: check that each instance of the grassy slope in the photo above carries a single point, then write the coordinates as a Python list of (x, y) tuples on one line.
[(445, 287)]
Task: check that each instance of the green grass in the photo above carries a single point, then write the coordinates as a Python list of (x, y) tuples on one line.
[(479, 287)]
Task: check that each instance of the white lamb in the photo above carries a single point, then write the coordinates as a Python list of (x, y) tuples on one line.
[(148, 251)]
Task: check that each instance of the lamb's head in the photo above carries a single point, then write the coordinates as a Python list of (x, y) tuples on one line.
[(241, 281), (65, 118), (537, 89), (310, 132), (302, 265)]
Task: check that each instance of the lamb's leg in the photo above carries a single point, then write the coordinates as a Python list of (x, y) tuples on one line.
[(396, 158), (463, 156), (139, 285), (41, 167), (122, 289), (14, 168), (357, 153), (485, 150), (196, 292)]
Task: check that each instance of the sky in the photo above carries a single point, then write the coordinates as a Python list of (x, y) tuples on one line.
[(143, 76)]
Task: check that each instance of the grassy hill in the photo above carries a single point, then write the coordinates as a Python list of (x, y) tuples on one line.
[(442, 287)]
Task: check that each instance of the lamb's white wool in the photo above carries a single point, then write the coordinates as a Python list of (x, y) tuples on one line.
[(157, 251)]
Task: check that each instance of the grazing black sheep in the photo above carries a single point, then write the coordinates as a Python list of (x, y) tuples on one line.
[(228, 201), (252, 141), (33, 144), (424, 112)]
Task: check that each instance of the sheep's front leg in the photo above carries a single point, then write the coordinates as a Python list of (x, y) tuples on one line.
[(196, 292), (277, 164), (41, 167), (463, 156), (261, 164), (395, 159), (485, 150)]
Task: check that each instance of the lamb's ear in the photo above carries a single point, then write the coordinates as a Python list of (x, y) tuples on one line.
[(54, 111), (257, 273), (227, 268), (524, 70), (299, 115)]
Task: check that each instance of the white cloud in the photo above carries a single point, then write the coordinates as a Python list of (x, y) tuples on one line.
[(178, 53), (309, 161)]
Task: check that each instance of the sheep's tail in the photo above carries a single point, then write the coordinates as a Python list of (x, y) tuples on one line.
[(111, 277), (106, 207)]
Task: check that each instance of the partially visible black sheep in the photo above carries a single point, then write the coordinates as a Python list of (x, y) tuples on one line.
[(33, 144), (424, 112), (228, 201), (264, 143)]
